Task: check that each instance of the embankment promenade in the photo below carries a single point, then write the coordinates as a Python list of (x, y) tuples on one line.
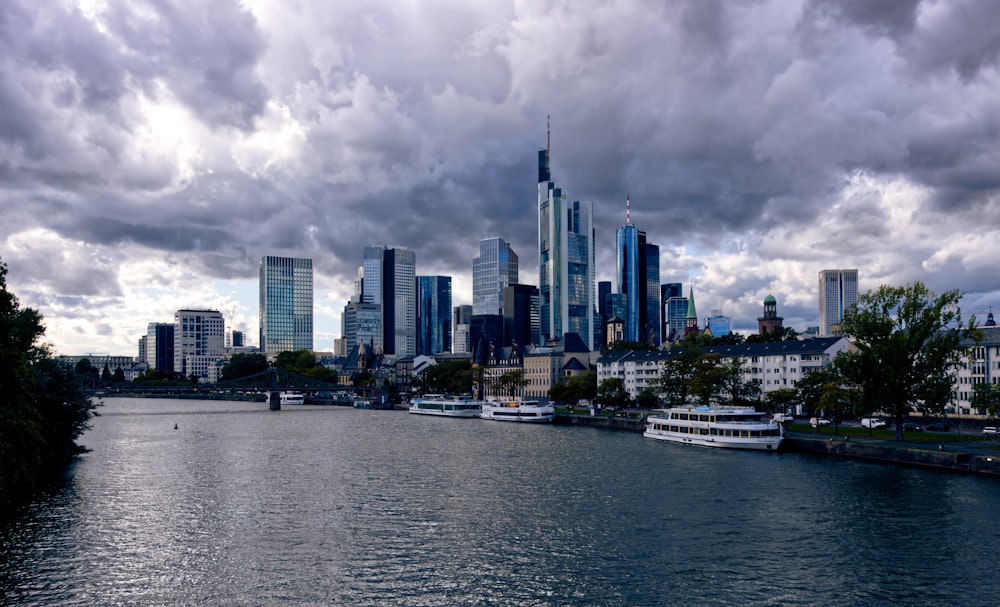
[(954, 456)]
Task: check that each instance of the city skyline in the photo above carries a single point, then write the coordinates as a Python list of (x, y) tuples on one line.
[(151, 155)]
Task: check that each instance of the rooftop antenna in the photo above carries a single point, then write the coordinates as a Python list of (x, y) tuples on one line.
[(628, 220), (548, 132)]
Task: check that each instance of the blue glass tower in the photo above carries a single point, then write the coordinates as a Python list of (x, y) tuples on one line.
[(433, 314), (286, 304), (638, 283)]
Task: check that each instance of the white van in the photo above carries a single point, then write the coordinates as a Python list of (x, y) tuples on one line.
[(782, 418), (873, 422)]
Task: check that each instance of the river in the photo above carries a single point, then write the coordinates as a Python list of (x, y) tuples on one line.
[(336, 506)]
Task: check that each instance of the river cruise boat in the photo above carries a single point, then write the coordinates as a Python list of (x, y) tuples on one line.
[(293, 398), (521, 411), (436, 404), (733, 428)]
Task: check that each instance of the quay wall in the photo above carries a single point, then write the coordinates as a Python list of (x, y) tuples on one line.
[(630, 424), (950, 457)]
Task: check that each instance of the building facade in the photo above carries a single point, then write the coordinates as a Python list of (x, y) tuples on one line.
[(521, 315), (433, 315), (160, 346), (461, 323), (770, 323), (838, 291), (389, 280), (286, 304), (566, 260), (492, 271), (199, 343), (675, 310)]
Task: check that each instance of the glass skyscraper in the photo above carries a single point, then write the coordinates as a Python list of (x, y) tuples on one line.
[(286, 304), (565, 259), (838, 291), (639, 284), (389, 279), (433, 314), (492, 271)]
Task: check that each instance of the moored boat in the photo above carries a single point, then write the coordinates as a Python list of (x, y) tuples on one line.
[(519, 411), (293, 398), (436, 404), (733, 428)]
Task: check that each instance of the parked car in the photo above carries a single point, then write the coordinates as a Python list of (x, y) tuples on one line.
[(938, 427), (912, 428), (873, 422), (990, 431), (782, 418), (819, 421)]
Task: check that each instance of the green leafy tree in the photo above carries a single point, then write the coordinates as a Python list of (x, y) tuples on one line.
[(297, 361), (446, 377), (706, 384), (243, 365), (612, 393), (987, 396), (118, 375), (734, 390), (511, 383), (85, 367), (781, 400), (647, 398), (907, 339), (674, 383), (625, 345), (42, 409), (571, 390), (106, 373)]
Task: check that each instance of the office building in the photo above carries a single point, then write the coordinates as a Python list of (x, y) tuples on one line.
[(521, 315), (361, 323), (433, 315), (638, 274), (461, 323), (667, 290), (719, 325), (199, 343), (389, 280), (286, 304), (838, 291), (676, 311), (492, 270), (160, 346), (566, 261)]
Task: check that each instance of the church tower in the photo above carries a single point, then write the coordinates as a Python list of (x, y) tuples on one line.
[(691, 322), (770, 323)]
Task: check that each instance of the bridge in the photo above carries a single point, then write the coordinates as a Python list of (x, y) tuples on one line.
[(253, 387)]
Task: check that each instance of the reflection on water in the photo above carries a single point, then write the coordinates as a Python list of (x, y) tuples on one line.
[(321, 506)]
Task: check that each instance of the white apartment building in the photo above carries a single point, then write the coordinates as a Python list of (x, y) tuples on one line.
[(199, 343), (772, 365)]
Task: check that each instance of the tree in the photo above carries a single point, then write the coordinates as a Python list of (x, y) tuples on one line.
[(780, 400), (625, 345), (612, 393), (907, 340), (647, 398), (243, 365), (732, 384), (674, 383), (511, 383), (118, 375), (84, 367), (571, 390), (446, 377), (987, 396), (42, 410), (297, 362)]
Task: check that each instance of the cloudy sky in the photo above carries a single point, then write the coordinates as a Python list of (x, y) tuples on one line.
[(151, 151)]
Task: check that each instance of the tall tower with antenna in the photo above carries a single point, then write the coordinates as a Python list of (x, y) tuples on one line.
[(565, 257)]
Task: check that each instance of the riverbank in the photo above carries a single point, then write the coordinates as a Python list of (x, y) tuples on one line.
[(958, 456)]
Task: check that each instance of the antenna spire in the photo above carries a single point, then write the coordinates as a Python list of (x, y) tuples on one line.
[(548, 132), (628, 219)]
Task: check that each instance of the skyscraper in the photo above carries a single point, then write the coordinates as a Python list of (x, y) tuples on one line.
[(461, 323), (286, 304), (389, 280), (667, 290), (565, 260), (676, 310), (433, 315), (638, 282), (838, 291), (521, 315), (492, 270)]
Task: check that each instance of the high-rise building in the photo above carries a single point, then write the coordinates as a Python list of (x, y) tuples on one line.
[(362, 324), (667, 290), (461, 323), (565, 259), (160, 346), (433, 315), (676, 311), (838, 291), (492, 270), (521, 315), (199, 343), (389, 280), (286, 304), (638, 282), (719, 325)]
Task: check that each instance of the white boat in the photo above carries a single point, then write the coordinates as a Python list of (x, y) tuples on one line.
[(520, 411), (293, 398), (733, 428), (436, 404)]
